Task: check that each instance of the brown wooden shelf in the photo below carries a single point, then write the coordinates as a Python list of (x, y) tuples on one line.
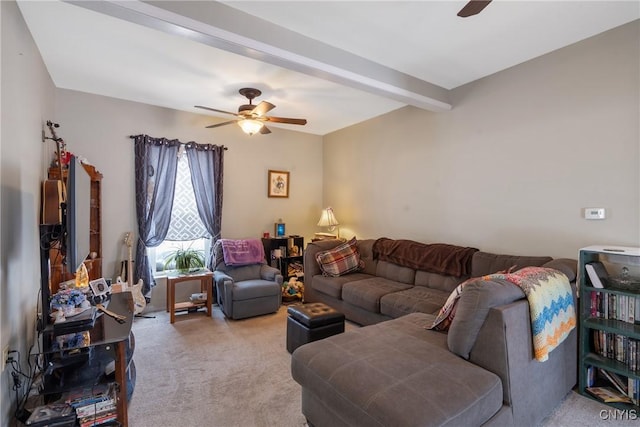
[(186, 305)]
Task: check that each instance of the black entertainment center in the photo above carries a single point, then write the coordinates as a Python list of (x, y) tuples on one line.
[(89, 349)]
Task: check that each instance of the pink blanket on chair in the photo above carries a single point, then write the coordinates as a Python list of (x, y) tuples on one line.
[(242, 252)]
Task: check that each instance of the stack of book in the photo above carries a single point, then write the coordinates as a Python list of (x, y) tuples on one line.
[(614, 387), (625, 308), (618, 347), (93, 406), (295, 269)]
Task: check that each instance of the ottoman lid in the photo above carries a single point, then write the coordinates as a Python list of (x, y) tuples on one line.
[(315, 314)]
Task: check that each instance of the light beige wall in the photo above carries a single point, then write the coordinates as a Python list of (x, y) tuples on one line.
[(512, 166), (98, 128), (27, 102)]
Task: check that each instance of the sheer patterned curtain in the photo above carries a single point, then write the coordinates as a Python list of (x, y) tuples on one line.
[(156, 162), (206, 165)]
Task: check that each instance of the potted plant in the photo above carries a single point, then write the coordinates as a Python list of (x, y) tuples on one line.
[(185, 260)]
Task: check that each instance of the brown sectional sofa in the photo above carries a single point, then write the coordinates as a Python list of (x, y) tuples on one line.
[(396, 372)]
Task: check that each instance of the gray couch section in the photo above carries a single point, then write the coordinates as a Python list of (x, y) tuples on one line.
[(399, 373), (395, 374), (384, 291)]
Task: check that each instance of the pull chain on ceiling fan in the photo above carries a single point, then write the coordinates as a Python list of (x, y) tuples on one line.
[(251, 118)]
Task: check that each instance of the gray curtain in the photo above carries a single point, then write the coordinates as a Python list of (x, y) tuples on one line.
[(156, 162), (206, 165)]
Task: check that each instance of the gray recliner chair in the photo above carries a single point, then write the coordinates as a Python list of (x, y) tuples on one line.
[(248, 290)]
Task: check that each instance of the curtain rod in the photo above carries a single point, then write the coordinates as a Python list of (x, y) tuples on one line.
[(184, 143)]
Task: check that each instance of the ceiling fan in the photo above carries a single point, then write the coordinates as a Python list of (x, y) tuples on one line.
[(473, 8), (251, 118)]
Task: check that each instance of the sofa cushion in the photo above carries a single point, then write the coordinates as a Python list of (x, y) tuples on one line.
[(251, 289), (438, 281), (396, 373), (366, 293), (417, 299), (448, 310), (484, 263), (332, 286), (340, 260), (245, 272), (395, 272), (365, 249), (564, 265), (474, 304)]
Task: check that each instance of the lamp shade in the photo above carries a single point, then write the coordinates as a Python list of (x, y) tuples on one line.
[(250, 126), (328, 219)]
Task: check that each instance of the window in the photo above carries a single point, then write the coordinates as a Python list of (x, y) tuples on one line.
[(186, 230)]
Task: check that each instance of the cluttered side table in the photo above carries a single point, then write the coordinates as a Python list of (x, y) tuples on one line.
[(206, 287)]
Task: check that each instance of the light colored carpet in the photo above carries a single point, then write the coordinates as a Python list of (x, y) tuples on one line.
[(204, 371)]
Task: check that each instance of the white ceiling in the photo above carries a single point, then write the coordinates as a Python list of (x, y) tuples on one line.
[(335, 63)]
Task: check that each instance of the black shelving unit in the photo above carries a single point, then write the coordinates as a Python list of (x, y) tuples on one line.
[(288, 254), (598, 326), (86, 365)]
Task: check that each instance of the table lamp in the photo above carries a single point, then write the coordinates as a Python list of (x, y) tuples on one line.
[(327, 219)]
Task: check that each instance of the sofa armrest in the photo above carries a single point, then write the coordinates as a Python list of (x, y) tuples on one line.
[(270, 273), (311, 267), (223, 284), (504, 346), (220, 277)]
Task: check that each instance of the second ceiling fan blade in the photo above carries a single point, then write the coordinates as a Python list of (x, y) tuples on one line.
[(287, 120), (262, 108), (221, 124), (473, 8), (214, 109)]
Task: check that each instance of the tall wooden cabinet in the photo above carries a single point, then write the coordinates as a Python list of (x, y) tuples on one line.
[(94, 264)]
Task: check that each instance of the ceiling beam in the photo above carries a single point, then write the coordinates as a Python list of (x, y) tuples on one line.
[(223, 27)]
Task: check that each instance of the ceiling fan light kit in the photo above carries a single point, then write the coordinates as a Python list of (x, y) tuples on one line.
[(250, 126), (251, 118)]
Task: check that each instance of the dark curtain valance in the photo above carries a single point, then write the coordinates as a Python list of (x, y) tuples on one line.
[(190, 144)]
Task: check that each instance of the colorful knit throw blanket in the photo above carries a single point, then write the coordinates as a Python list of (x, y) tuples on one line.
[(242, 252), (551, 306)]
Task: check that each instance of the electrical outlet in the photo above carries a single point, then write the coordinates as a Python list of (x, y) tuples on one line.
[(5, 356)]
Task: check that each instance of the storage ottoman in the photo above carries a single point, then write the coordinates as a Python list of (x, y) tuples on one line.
[(311, 322)]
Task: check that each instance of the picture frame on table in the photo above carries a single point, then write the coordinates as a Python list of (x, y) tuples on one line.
[(278, 184), (279, 228), (99, 287)]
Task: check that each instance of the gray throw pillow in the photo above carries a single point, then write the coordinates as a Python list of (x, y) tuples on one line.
[(472, 310)]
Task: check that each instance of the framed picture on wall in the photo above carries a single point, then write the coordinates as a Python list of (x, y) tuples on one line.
[(278, 182)]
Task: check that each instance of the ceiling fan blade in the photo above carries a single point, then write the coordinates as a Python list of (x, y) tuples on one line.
[(473, 8), (221, 124), (286, 120), (216, 110), (264, 130), (262, 108)]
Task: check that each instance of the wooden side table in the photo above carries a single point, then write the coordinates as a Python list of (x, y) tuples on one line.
[(206, 285)]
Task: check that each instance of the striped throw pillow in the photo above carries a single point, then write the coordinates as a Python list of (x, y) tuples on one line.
[(340, 260)]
